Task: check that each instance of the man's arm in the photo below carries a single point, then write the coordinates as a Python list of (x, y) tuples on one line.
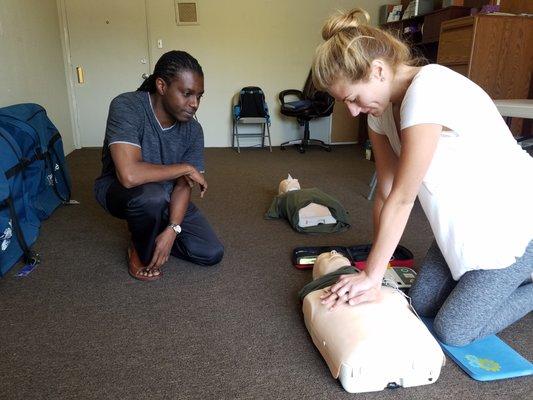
[(133, 171), (179, 201)]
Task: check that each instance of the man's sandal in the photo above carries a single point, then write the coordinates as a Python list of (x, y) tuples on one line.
[(135, 266)]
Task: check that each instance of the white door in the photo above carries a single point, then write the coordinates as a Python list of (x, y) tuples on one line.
[(109, 47)]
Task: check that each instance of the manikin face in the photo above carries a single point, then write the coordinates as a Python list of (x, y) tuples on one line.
[(286, 185), (369, 96), (329, 262), (182, 97)]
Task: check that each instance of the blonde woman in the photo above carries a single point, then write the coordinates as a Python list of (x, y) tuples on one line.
[(435, 135)]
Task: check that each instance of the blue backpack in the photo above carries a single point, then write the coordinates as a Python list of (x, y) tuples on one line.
[(43, 160), (19, 225), (34, 180)]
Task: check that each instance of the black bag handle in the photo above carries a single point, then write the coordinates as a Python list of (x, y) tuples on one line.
[(30, 257), (48, 159)]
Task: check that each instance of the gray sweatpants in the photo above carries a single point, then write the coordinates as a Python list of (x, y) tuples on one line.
[(481, 303)]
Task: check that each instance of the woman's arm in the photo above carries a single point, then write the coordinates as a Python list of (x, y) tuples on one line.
[(418, 147), (386, 164)]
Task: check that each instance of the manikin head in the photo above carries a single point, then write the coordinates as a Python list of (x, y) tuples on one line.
[(289, 184), (357, 62), (177, 84), (329, 262)]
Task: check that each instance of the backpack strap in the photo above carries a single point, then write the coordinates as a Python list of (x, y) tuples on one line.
[(23, 163), (30, 257), (48, 158)]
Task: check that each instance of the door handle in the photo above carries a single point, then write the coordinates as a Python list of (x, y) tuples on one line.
[(145, 76), (79, 73)]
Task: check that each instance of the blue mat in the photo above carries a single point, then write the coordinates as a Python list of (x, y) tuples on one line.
[(487, 359)]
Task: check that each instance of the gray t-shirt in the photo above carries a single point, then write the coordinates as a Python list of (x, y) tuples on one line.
[(132, 120)]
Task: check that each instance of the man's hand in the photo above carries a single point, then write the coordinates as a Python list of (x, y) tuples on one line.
[(352, 289), (189, 181), (197, 177), (163, 245)]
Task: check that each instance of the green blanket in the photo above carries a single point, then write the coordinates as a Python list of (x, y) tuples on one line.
[(288, 204)]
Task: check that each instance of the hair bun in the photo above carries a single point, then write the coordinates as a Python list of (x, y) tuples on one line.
[(344, 20)]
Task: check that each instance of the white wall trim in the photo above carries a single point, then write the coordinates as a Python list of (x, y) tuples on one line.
[(151, 61), (65, 45)]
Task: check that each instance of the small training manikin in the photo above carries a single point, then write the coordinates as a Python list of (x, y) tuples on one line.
[(374, 345), (289, 184), (310, 215)]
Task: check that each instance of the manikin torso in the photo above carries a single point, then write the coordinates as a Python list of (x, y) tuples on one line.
[(310, 215), (370, 345)]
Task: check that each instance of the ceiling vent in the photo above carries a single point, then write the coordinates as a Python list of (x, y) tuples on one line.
[(186, 12)]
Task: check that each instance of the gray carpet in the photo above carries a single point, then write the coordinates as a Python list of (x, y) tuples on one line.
[(79, 327)]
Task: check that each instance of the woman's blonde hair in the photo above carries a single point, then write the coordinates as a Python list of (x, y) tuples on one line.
[(350, 47)]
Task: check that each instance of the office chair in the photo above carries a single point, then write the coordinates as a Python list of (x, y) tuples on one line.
[(311, 104)]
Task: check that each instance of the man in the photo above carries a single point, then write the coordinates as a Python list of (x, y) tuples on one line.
[(152, 157)]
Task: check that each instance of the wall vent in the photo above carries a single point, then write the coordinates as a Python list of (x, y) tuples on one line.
[(186, 12)]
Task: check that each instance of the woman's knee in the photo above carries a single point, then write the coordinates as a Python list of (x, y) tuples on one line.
[(453, 334), (422, 304), (423, 300)]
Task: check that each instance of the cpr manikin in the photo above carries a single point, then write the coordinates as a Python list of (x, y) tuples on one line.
[(292, 199), (310, 215), (374, 345)]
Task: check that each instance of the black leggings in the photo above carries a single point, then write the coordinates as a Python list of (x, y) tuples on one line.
[(145, 208)]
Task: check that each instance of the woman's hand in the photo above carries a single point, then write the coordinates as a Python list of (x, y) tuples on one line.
[(352, 289)]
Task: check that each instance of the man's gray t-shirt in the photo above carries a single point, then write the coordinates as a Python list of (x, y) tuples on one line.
[(132, 120)]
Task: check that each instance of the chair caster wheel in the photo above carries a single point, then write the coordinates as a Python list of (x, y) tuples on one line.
[(301, 150), (282, 148), (328, 149)]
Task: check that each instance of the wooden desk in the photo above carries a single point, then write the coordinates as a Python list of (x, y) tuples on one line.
[(517, 108), (494, 51)]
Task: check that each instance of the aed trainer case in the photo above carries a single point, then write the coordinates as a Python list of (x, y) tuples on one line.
[(304, 257)]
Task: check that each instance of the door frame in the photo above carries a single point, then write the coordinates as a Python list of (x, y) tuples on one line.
[(69, 68), (65, 44)]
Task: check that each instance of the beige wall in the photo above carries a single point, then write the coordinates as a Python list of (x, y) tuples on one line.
[(266, 43), (31, 66)]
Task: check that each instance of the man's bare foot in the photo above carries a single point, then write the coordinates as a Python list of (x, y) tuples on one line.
[(137, 270)]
